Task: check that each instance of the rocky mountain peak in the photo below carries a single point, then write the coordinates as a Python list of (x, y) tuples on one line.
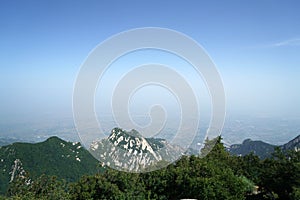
[(130, 151)]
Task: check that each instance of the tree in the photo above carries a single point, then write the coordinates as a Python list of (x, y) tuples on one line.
[(94, 187), (281, 174), (44, 187)]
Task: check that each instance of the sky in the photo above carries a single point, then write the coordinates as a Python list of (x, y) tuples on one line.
[(254, 44)]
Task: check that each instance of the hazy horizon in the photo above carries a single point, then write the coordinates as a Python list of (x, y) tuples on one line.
[(255, 47)]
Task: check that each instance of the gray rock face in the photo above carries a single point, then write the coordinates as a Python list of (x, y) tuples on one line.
[(130, 151), (294, 144)]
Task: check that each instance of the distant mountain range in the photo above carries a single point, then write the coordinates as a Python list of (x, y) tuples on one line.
[(129, 151), (122, 149), (262, 149), (70, 160), (54, 156)]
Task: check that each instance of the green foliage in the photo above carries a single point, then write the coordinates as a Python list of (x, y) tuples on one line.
[(249, 166), (52, 157), (296, 193), (193, 177), (216, 176), (44, 187), (94, 187), (281, 174)]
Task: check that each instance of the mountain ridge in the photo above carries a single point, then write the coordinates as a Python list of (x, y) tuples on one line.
[(262, 149), (130, 151), (70, 160), (54, 156)]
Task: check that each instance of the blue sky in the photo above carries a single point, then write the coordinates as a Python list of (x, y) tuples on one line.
[(255, 45)]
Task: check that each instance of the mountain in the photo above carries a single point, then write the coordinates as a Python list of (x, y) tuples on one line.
[(259, 148), (262, 149), (54, 156), (130, 151), (294, 144)]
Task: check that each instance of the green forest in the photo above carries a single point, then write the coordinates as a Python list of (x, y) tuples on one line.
[(218, 175)]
